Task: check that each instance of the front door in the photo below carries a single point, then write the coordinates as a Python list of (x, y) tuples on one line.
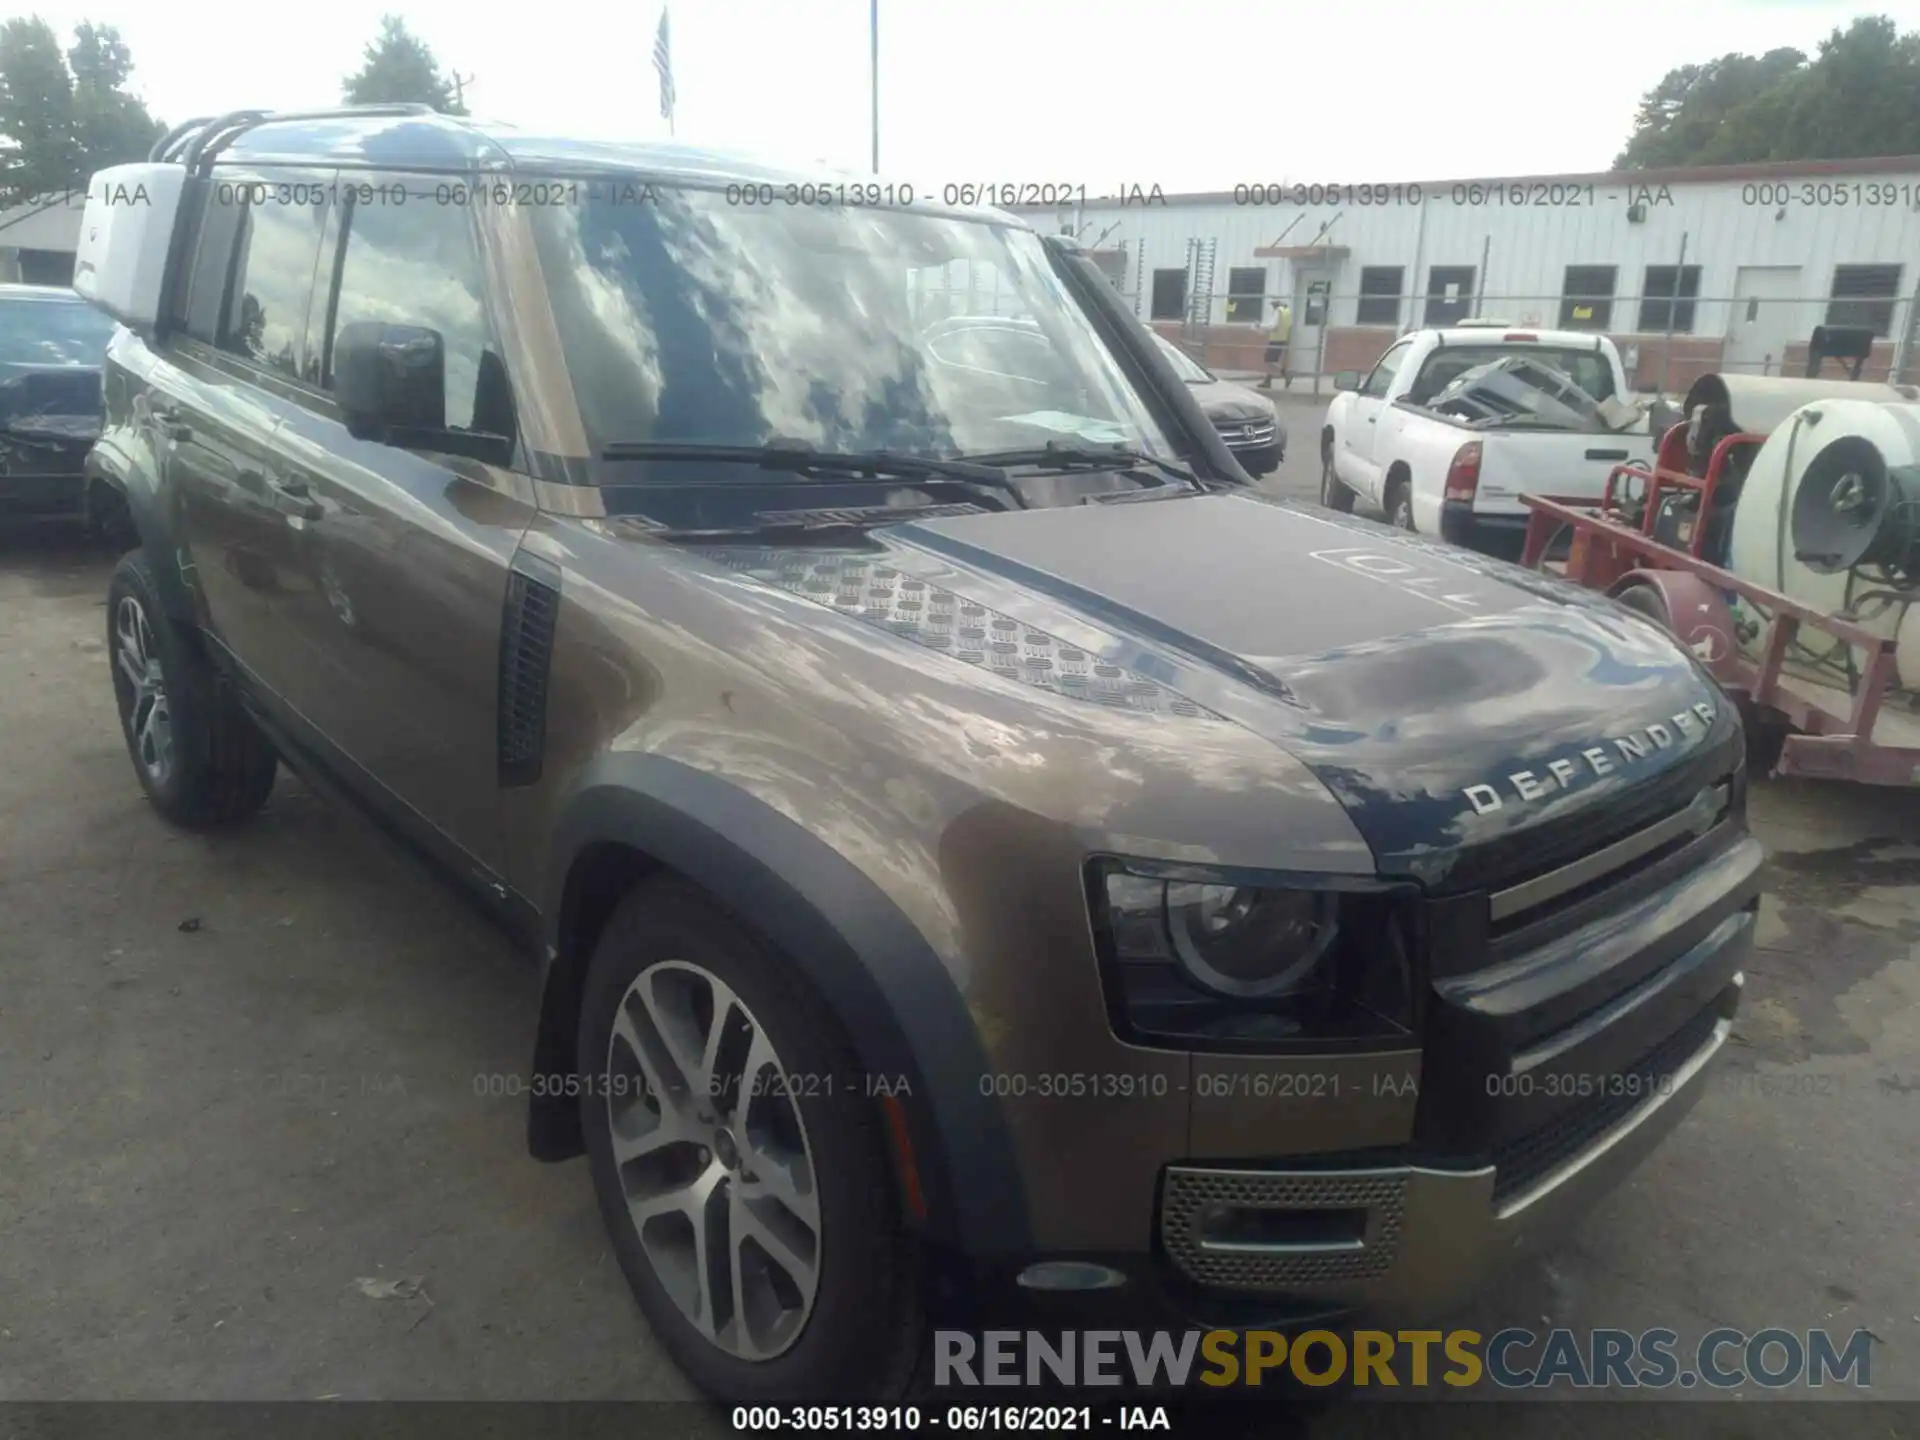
[(396, 611), (1766, 319)]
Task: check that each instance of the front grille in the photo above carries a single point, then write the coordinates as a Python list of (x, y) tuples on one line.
[(1192, 1198), (1608, 866), (1523, 1162), (1241, 436)]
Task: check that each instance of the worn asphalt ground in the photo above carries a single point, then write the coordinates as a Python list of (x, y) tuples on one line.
[(247, 1153)]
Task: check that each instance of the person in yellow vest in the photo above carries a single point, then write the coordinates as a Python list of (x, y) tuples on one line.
[(1279, 333)]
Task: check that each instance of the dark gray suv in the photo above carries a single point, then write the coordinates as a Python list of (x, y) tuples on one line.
[(980, 850)]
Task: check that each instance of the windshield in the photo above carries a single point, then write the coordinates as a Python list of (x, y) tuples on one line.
[(687, 319), (1586, 368), (1184, 365), (53, 332)]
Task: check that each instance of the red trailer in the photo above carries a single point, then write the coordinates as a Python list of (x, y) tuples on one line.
[(1795, 727)]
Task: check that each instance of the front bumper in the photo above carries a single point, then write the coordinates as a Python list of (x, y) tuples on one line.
[(1260, 459), (1425, 1238)]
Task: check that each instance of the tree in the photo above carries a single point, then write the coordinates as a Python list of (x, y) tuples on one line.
[(64, 116), (398, 68), (1860, 96)]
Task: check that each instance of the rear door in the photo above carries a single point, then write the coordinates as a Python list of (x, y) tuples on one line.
[(217, 394), (396, 610)]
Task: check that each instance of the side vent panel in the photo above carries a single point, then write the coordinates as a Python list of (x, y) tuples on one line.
[(526, 659)]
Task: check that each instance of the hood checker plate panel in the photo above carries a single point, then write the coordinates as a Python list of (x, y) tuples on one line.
[(882, 595)]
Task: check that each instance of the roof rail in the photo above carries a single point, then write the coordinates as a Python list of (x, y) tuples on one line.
[(173, 137), (213, 135)]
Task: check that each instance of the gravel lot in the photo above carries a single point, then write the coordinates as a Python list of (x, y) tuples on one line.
[(244, 1152)]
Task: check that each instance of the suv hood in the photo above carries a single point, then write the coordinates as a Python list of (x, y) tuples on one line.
[(1474, 719)]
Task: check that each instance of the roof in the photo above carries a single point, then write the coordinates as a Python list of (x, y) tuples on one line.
[(1481, 334), (1671, 175), (462, 145)]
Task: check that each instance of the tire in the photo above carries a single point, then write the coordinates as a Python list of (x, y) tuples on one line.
[(1644, 600), (1333, 494), (858, 1334), (199, 757), (1400, 506)]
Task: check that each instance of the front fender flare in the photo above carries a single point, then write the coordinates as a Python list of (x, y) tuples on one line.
[(860, 952)]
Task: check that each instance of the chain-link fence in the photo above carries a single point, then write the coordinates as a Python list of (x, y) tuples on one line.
[(1666, 342)]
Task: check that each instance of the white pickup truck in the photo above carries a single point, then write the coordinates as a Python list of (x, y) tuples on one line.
[(1451, 427)]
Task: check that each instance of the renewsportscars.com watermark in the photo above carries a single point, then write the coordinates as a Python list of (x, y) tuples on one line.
[(1513, 1359)]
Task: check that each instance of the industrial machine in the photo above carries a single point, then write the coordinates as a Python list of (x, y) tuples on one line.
[(1778, 534)]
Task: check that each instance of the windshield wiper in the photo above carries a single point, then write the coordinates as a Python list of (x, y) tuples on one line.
[(799, 457), (1086, 455)]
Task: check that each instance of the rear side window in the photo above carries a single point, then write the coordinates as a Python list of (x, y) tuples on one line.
[(416, 262), (266, 226)]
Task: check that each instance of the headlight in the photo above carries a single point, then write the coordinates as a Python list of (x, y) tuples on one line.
[(1237, 940), (1217, 964)]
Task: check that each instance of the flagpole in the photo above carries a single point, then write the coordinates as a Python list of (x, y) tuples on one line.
[(873, 35)]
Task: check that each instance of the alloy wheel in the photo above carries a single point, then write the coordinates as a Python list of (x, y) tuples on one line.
[(713, 1159), (144, 707)]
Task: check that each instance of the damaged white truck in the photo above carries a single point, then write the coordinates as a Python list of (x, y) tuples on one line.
[(1451, 427)]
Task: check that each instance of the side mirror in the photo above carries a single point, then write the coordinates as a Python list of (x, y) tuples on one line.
[(1347, 380), (389, 377)]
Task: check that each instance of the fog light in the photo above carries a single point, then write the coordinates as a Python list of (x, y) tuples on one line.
[(1070, 1275)]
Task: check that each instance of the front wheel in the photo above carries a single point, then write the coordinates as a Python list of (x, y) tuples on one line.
[(196, 752), (739, 1162), (1333, 494)]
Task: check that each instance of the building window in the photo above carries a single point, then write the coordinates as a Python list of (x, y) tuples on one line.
[(46, 267), (1666, 299), (1863, 296), (1449, 294), (1246, 294), (1587, 298), (1169, 295), (1380, 295)]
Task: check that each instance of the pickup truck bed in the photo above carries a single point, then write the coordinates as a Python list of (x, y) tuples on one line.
[(1460, 479)]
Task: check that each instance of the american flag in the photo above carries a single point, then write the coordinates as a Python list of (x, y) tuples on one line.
[(663, 62)]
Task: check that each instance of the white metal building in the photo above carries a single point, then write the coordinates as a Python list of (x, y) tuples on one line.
[(1737, 263), (38, 238)]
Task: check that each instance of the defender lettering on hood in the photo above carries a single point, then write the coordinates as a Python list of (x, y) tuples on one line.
[(1564, 773)]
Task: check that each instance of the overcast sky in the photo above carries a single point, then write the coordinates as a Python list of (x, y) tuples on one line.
[(1186, 94)]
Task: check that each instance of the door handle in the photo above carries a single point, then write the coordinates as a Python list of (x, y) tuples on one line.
[(292, 498)]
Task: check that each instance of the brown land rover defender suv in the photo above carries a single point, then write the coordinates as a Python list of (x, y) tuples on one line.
[(982, 851)]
